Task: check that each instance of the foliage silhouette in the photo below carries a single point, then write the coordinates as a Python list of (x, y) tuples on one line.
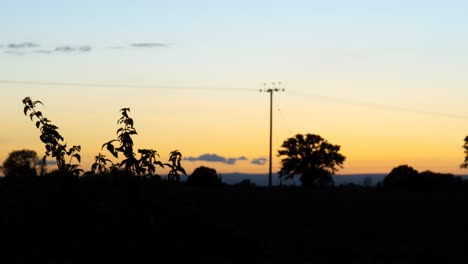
[(133, 166), (311, 157), (53, 140), (433, 181), (464, 165), (406, 178), (99, 165), (175, 159), (204, 176), (146, 164), (403, 177), (20, 163)]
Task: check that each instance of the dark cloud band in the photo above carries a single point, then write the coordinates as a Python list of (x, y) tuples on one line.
[(22, 45), (150, 45), (215, 158), (259, 161)]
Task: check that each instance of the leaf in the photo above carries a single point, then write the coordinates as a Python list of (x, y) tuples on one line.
[(78, 157), (159, 163), (111, 149), (182, 170), (26, 109), (38, 124)]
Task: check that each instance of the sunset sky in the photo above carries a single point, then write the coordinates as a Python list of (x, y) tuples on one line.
[(385, 80)]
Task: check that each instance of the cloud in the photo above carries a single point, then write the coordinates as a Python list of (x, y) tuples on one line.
[(65, 49), (68, 49), (259, 161), (84, 48), (22, 45), (215, 158), (150, 45)]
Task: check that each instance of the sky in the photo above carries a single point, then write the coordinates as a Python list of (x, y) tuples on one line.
[(385, 80)]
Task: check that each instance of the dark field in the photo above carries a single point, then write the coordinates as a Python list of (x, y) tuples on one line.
[(127, 220)]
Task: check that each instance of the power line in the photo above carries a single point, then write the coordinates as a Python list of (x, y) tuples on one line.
[(338, 100), (380, 106), (133, 86)]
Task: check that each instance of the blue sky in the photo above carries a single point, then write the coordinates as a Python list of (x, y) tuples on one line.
[(360, 73)]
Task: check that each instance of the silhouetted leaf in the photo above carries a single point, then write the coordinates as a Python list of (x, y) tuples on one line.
[(78, 157), (111, 149), (182, 170), (159, 163)]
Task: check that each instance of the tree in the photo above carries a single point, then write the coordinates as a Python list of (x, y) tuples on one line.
[(464, 165), (20, 163), (403, 177), (311, 157), (204, 176)]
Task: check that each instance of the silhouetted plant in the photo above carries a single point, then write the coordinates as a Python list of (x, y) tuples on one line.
[(311, 157), (53, 140), (464, 165), (99, 165), (146, 165), (176, 167), (147, 162), (204, 176), (20, 163)]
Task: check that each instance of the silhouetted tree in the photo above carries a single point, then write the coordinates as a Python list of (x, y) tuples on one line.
[(311, 157), (204, 176), (434, 181), (403, 177), (20, 163), (464, 165)]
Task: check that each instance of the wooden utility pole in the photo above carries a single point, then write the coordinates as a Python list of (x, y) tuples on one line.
[(271, 91)]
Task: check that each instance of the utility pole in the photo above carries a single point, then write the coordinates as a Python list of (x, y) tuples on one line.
[(271, 90)]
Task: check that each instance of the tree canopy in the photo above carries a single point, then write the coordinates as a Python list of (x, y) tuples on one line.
[(204, 176), (403, 177), (20, 163), (311, 157)]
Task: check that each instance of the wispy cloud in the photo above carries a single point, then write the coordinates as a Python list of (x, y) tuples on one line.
[(68, 49), (215, 158), (22, 45), (259, 161), (27, 47), (150, 45)]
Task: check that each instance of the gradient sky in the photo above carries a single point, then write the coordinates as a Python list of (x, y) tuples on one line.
[(386, 80)]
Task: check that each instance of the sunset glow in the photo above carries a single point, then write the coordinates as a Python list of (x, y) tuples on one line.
[(385, 81)]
